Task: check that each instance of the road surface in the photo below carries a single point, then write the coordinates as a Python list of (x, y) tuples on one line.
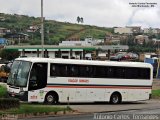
[(103, 111)]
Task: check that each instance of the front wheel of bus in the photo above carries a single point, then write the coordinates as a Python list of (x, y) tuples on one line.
[(115, 98), (51, 98)]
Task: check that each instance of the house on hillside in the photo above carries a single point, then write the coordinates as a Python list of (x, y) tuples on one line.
[(33, 28), (73, 39), (4, 31), (2, 18), (110, 39), (135, 29), (140, 39), (17, 36), (156, 41), (128, 30), (151, 30), (123, 30)]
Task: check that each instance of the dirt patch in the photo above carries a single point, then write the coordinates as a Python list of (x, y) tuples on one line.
[(156, 84)]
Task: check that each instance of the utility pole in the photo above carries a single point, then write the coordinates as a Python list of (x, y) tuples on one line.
[(19, 39), (42, 29)]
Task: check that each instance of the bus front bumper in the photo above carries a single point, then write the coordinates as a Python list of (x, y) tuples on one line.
[(23, 96)]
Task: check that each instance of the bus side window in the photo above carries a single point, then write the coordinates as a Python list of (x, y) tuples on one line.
[(58, 70), (144, 73), (82, 71), (53, 70), (100, 72), (89, 71), (134, 73), (110, 72), (73, 70), (119, 72), (62, 70), (85, 71)]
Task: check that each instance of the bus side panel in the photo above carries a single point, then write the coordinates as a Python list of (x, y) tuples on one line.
[(36, 95), (68, 95), (95, 94), (138, 94)]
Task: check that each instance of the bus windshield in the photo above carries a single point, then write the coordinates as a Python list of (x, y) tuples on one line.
[(19, 73)]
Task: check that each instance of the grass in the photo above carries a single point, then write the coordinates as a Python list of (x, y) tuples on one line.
[(3, 91), (28, 108), (156, 93), (57, 30), (34, 109)]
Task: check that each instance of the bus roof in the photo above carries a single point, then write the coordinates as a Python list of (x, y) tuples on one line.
[(87, 62)]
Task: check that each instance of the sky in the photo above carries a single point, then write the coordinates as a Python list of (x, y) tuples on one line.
[(103, 13)]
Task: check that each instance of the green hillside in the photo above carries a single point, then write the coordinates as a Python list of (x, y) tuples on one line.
[(54, 31)]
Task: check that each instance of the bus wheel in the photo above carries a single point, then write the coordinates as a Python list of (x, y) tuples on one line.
[(115, 98), (51, 98)]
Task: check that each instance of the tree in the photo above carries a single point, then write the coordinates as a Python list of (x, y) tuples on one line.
[(81, 20), (78, 19), (7, 54)]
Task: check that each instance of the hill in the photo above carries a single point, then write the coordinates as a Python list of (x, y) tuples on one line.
[(54, 31)]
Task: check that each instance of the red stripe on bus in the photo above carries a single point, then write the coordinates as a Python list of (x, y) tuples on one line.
[(116, 87)]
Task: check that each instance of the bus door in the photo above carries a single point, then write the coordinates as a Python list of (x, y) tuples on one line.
[(37, 81)]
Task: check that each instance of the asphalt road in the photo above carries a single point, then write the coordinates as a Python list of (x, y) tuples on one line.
[(106, 107), (142, 114), (103, 111)]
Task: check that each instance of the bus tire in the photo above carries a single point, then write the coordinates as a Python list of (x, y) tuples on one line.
[(51, 98), (115, 98)]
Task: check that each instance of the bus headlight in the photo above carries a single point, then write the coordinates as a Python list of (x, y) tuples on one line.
[(21, 93)]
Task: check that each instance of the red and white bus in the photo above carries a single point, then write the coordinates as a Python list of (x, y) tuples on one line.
[(67, 80)]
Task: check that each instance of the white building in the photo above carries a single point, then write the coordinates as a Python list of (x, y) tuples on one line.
[(123, 30), (87, 42), (156, 41), (140, 39), (151, 30)]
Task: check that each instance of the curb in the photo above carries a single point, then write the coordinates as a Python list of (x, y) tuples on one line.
[(50, 114)]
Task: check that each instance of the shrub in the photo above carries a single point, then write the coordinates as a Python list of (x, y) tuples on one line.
[(3, 91), (7, 103)]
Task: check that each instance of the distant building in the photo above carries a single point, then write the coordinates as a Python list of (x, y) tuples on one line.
[(112, 39), (67, 52), (2, 19), (73, 38), (87, 42), (116, 39), (33, 28), (123, 30), (128, 30), (3, 31), (17, 36), (140, 39), (151, 30), (135, 29), (156, 41)]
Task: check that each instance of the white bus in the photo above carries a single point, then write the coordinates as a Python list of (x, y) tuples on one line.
[(67, 80)]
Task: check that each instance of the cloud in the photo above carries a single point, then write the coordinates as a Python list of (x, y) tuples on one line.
[(108, 13), (150, 17), (94, 12), (25, 7)]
